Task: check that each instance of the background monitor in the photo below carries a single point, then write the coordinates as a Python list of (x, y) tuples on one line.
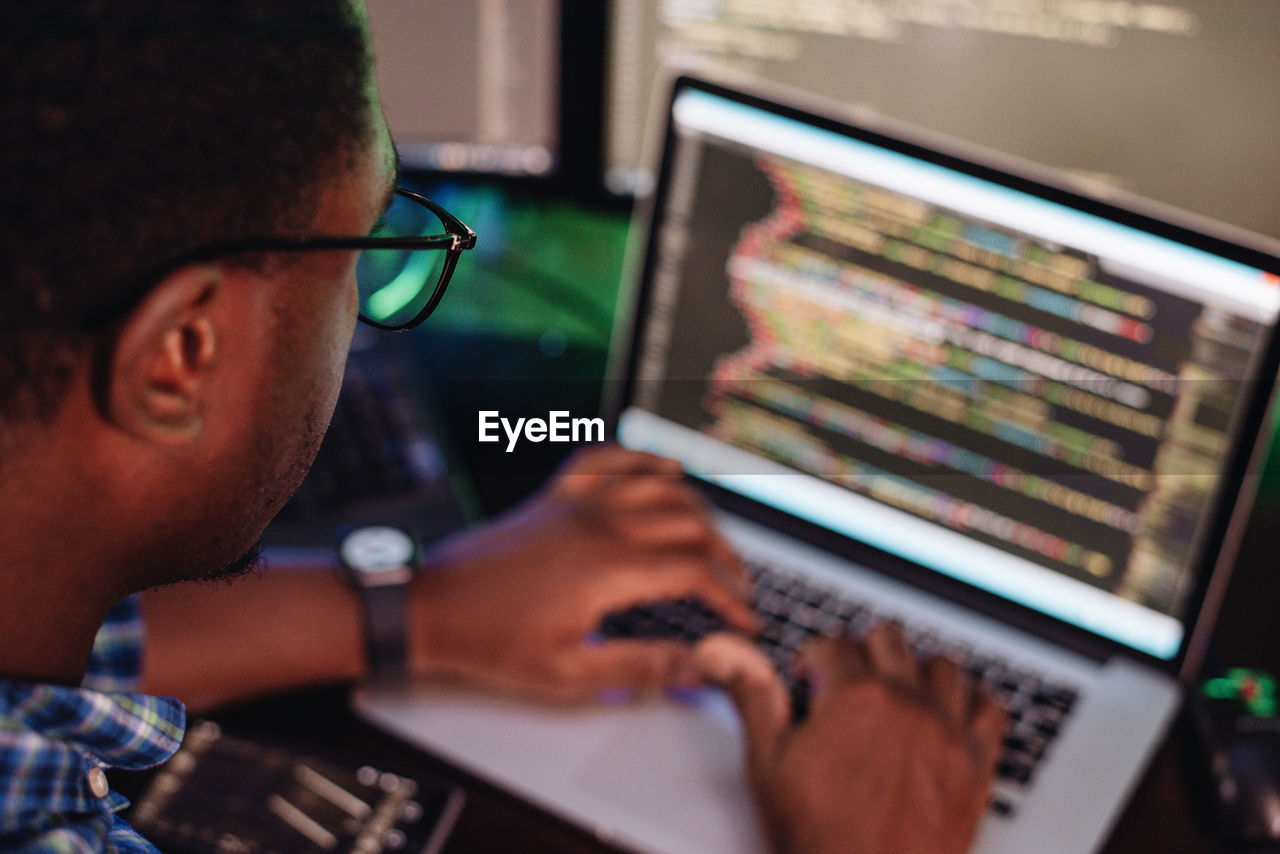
[(1174, 101), (471, 87)]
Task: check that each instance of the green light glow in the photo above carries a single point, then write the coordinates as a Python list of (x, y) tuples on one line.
[(400, 292), (1219, 689), (1257, 690)]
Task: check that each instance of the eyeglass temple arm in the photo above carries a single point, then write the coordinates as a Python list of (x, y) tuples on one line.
[(464, 237)]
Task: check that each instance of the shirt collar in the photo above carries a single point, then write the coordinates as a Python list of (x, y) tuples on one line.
[(54, 740), (122, 730)]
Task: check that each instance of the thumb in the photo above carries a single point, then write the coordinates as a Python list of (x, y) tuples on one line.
[(635, 664), (736, 665), (589, 468)]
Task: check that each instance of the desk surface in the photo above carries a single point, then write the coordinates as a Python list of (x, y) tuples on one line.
[(1162, 817)]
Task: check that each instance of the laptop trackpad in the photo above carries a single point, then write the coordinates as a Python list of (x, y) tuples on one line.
[(661, 776), (680, 766)]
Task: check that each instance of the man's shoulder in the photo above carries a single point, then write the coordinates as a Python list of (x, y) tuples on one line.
[(108, 834), (57, 744)]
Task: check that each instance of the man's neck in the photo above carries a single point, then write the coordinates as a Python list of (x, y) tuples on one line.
[(46, 629), (58, 572)]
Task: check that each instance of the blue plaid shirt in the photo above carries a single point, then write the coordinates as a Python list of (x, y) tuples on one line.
[(55, 741)]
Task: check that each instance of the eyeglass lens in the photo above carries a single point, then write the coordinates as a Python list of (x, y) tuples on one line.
[(395, 284)]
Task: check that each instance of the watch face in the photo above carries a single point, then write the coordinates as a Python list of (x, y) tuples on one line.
[(377, 548)]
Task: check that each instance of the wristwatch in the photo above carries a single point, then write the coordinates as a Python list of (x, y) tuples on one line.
[(380, 561)]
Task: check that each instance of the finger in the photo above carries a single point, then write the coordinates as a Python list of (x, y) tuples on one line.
[(831, 661), (728, 603), (682, 525), (987, 728), (615, 459), (756, 690), (656, 575), (640, 665), (889, 655), (661, 508), (692, 530), (652, 490), (590, 468), (654, 509), (949, 685)]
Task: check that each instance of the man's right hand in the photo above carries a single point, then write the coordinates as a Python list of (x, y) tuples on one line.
[(516, 604), (895, 757)]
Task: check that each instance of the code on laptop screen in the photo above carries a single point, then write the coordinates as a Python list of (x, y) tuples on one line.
[(1052, 388)]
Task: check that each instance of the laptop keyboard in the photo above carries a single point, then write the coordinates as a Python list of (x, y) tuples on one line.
[(793, 612)]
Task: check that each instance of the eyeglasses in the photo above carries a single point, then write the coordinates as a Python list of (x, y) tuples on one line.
[(403, 268), (407, 261), (404, 264)]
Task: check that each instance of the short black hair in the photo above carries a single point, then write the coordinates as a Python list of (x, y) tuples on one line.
[(133, 131)]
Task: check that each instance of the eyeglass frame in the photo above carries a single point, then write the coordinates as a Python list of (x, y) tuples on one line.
[(457, 239)]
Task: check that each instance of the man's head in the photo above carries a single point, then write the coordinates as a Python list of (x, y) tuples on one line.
[(133, 132)]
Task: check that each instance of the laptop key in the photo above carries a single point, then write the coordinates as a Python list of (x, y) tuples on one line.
[(1002, 806), (1014, 768), (830, 603), (1063, 699), (1048, 726), (960, 653)]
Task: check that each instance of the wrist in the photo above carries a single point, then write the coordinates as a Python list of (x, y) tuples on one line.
[(425, 641), (436, 624)]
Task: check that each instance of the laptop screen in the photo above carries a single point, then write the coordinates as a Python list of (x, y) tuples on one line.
[(1020, 394)]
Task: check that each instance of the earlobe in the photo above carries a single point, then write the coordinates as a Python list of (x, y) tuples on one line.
[(164, 357)]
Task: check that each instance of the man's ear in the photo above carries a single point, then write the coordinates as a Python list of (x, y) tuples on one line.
[(162, 361)]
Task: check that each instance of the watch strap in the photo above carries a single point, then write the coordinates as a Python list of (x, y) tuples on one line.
[(386, 630)]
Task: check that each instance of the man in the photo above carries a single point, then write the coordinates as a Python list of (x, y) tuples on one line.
[(161, 397)]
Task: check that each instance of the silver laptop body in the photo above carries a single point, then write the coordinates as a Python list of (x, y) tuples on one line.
[(1021, 420)]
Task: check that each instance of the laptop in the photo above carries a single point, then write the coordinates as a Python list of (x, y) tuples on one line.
[(924, 384)]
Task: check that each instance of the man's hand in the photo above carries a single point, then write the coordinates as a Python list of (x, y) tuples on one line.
[(513, 605), (895, 757)]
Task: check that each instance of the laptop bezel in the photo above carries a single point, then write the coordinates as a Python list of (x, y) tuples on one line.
[(1211, 568)]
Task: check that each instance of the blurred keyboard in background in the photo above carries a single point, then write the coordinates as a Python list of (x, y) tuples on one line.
[(382, 461)]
